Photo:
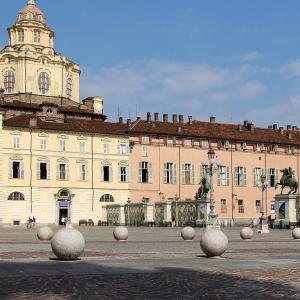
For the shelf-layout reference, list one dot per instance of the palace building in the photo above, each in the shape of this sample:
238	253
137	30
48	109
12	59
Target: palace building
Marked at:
60	158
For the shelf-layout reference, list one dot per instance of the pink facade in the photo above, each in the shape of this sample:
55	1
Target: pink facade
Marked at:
237	196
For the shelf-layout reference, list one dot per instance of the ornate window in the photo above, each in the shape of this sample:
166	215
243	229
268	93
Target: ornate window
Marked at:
107	198
16	196
69	87
9	81
44	82
21	35
37	36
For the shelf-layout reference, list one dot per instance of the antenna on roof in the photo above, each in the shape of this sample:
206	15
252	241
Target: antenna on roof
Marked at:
129	114
230	118
136	111
119	112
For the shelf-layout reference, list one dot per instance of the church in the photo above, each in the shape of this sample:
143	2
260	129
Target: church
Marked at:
60	157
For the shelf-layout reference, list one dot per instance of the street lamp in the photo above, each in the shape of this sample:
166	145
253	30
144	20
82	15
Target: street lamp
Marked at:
263	226
212	216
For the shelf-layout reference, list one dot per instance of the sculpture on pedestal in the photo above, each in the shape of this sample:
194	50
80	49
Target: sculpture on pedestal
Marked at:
287	179
204	188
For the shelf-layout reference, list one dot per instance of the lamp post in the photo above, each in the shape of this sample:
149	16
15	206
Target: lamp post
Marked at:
263	225
212	216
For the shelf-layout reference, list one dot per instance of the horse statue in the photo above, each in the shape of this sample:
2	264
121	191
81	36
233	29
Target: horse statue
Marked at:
288	180
204	188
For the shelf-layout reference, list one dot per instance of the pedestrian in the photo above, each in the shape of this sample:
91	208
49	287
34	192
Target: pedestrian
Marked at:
28	224
33	221
173	221
63	220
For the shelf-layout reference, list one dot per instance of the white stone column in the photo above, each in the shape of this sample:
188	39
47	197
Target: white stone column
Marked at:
149	212
122	215
167	212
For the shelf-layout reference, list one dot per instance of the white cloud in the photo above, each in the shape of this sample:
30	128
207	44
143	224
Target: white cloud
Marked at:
168	86
252	56
292	68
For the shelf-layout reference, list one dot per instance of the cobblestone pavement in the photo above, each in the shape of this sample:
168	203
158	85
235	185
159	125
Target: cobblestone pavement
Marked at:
154	264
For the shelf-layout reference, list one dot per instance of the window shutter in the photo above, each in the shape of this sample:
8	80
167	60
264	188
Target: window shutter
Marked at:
48	171
174	174
165	173
120	174
22	170
183	173
192	174
236	176
150	172
87	172
269	177
38	171
219	175
276	176
140	164
227	176
110	174
101	174
10	169
245	177
67	171
57	172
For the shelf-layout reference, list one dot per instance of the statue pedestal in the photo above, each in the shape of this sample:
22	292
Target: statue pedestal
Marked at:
203	210
286	210
263	228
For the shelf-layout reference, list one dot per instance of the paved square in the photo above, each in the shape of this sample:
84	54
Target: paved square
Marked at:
155	263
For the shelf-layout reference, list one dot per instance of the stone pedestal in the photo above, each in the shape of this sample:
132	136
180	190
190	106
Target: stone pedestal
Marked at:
203	212
286	209
149	212
210	227
263	228
167	212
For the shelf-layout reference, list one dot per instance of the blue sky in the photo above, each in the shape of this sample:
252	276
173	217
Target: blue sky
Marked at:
234	59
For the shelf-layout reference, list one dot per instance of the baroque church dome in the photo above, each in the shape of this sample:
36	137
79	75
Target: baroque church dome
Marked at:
31	13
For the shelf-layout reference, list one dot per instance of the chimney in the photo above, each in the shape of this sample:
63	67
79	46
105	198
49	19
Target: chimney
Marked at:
120	120
251	127
246	123
33	122
212	119
165	118
128	122
155	117
190	119
175	119
294	128
288	127
281	130
240	127
270	127
275	126
181	120
148	117
290	136
179	129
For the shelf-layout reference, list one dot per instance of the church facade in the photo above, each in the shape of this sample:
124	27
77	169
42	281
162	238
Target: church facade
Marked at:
60	158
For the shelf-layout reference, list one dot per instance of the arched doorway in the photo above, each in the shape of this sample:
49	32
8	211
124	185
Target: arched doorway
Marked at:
64	203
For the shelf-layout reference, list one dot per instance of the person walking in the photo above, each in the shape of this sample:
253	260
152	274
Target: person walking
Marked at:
28	224
33	221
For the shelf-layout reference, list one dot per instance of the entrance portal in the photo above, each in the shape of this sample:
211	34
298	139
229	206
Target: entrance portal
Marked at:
63	216
64	206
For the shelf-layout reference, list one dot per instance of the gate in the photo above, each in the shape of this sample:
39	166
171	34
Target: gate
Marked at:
113	214
159	213
134	214
184	213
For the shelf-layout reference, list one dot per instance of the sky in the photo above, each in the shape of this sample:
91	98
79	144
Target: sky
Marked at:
235	59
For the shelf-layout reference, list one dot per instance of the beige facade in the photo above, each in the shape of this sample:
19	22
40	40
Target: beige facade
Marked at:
30	64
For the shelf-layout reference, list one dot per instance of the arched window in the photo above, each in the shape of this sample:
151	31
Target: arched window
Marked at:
21	35
44	82
16	196
69	87
9	81
37	36
107	198
49	111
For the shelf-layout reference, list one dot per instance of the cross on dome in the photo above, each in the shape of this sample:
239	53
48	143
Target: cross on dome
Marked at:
31	2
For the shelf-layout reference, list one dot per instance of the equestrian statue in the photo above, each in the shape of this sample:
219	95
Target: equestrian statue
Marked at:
287	179
204	188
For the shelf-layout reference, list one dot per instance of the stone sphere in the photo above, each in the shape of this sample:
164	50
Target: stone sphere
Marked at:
296	233
188	233
120	233
246	233
68	244
45	233
214	242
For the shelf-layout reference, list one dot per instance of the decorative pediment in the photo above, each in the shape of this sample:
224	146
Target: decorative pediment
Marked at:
106	139
82	161
62	137
106	163
16	157
123	163
43	158
16	132
43	134
63	160
82	137
123	141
